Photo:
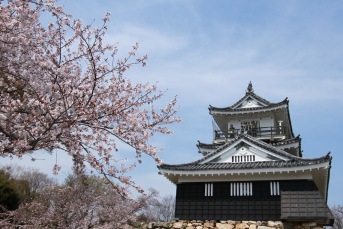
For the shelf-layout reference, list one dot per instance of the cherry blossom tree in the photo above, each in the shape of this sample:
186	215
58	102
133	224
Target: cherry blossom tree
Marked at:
82	202
337	212
161	209
36	181
61	88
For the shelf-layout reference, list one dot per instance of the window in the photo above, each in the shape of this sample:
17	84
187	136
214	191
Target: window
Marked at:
250	125
274	188
243	158
209	189
241	189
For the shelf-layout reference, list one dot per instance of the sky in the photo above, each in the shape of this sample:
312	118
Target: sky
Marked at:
206	53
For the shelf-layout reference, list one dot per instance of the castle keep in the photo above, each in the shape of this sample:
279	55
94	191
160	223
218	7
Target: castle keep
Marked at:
253	169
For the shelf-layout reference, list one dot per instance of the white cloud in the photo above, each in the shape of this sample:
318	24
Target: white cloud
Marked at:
152	42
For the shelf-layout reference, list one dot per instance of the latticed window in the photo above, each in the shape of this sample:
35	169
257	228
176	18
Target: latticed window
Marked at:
243	158
209	189
274	188
241	189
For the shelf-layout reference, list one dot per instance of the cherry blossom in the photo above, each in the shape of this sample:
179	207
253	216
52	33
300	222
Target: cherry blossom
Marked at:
62	89
82	202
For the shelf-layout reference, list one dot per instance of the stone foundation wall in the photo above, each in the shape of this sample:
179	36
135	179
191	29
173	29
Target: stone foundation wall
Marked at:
224	225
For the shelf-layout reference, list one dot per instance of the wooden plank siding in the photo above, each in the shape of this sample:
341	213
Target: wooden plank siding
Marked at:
192	204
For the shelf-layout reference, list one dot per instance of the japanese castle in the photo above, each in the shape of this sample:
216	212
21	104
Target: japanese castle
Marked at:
253	169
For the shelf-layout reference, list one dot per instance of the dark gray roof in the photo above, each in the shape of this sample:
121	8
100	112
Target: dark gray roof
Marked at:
209	146
216	145
287	141
297	139
305	205
245	165
252	95
291	161
253	141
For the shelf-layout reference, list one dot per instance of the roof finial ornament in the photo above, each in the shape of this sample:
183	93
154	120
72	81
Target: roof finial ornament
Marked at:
250	88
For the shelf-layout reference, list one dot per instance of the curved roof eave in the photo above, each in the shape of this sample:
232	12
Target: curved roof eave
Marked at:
287	141
328	178
252	95
208	146
248	110
290	122
248	165
253	141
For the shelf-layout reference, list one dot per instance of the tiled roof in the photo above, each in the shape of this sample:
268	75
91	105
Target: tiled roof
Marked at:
252	95
291	161
254	141
245	165
305	205
288	141
208	146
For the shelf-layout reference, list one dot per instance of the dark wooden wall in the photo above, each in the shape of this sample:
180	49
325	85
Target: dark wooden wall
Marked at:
192	204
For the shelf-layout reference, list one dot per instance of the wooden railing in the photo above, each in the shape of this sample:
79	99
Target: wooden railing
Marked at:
259	132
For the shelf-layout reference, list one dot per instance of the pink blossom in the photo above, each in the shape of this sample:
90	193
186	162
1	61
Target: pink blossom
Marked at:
61	88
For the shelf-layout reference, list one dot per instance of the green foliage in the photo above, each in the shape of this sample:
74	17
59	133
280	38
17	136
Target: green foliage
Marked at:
9	197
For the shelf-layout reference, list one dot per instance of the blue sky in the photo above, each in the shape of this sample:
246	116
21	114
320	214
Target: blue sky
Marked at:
206	52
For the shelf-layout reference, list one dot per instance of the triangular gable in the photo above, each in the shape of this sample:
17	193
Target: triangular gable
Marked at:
249	102
245	149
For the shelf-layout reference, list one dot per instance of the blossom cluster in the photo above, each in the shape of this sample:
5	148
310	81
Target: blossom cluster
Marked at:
61	88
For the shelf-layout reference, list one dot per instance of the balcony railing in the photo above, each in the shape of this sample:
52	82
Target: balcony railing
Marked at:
260	132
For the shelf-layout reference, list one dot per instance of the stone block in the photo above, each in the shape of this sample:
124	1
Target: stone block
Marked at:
242	226
271	224
161	225
224	226
279	224
209	224
177	225
259	223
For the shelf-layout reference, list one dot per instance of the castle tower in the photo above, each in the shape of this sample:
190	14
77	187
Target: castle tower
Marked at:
253	169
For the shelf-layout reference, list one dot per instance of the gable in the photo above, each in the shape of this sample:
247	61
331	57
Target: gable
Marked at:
249	102
243	151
